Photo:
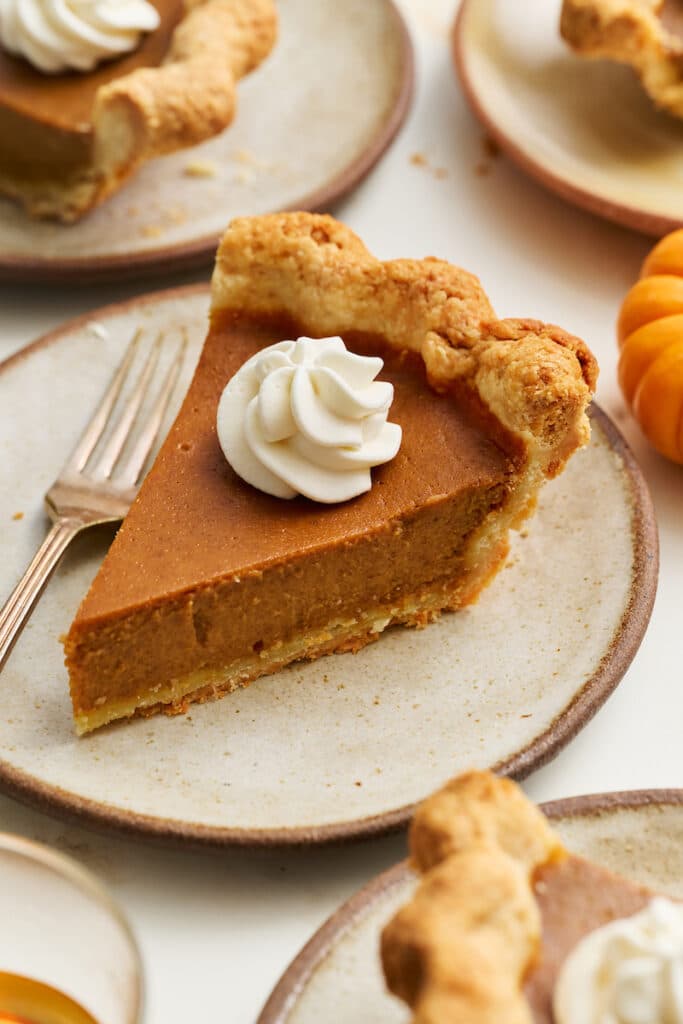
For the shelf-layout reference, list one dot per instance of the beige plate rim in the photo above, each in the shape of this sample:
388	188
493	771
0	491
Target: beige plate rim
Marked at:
608	673
295	978
638	218
186	256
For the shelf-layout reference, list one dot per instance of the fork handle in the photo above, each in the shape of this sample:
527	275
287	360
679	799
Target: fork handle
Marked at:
21	601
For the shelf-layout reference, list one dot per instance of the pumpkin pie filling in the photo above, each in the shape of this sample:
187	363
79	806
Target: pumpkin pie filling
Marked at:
575	897
235	575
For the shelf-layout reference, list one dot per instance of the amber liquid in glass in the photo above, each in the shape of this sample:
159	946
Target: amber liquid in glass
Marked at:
25	1001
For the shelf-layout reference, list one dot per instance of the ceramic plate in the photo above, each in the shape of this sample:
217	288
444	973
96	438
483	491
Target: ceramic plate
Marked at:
312	121
585	129
343	746
337	976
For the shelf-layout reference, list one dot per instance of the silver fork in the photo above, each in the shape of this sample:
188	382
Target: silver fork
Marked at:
88	491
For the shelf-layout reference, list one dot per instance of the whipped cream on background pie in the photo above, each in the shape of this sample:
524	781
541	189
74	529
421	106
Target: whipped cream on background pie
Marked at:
74	35
629	971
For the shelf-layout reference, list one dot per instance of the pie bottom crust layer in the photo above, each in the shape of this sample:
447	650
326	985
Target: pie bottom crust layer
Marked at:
518	388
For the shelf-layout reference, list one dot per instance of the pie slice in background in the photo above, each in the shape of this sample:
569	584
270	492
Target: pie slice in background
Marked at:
71	139
499	908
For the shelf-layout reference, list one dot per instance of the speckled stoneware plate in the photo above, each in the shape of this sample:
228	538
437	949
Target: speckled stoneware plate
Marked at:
343	746
585	129
337	976
312	121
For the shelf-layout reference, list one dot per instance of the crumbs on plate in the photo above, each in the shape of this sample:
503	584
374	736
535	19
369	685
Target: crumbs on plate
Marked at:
420	160
200	169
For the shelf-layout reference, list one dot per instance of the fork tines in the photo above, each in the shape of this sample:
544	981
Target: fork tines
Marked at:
109	457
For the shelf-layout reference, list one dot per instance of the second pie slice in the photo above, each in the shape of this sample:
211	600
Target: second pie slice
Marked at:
508	925
72	138
211	583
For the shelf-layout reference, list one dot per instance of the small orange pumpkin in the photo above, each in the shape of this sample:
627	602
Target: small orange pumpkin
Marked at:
650	334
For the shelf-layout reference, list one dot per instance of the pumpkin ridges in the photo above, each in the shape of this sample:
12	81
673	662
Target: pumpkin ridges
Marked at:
649	299
666	257
658	402
643	347
650	336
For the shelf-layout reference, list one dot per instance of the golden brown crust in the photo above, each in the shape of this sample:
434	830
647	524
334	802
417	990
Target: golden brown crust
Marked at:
535	379
461	949
191	97
631	32
479	808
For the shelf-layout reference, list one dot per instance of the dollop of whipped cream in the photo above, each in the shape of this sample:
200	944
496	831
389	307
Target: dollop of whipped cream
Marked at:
308	417
629	972
62	35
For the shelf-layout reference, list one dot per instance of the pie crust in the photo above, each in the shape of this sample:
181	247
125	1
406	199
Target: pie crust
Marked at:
532	378
641	33
326	579
155	110
460	950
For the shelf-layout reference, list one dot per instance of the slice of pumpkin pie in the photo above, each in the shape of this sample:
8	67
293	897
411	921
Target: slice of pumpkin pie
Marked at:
88	92
356	443
507	925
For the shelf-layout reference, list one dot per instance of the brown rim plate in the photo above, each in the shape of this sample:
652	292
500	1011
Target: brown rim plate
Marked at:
583	129
339	748
284	151
634	833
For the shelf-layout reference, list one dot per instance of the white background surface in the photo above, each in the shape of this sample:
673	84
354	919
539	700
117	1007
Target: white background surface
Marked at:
216	930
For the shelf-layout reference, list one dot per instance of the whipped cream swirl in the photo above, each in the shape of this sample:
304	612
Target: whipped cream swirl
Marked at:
629	972
62	35
307	417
